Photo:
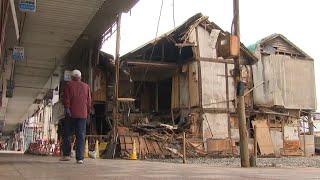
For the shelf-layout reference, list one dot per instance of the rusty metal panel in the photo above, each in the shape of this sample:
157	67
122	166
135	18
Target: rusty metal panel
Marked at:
292	148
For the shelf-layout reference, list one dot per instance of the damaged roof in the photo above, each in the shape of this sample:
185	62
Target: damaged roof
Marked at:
176	35
267	39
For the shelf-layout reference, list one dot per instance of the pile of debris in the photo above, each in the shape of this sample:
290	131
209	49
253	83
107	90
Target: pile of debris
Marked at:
157	140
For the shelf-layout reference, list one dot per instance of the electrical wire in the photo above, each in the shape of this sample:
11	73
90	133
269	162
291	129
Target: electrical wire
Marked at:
174	21
153	47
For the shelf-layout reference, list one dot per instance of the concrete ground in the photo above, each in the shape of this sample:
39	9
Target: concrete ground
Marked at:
17	166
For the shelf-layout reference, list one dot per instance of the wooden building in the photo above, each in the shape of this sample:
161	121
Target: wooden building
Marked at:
181	79
286	95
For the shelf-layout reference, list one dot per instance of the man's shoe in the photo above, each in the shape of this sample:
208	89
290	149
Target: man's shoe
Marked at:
65	158
79	161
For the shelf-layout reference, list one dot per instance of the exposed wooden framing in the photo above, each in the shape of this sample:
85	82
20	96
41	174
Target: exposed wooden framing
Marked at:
116	84
311	126
106	103
227	98
162	52
197	56
157	97
152	64
184	147
172	117
179	105
189	95
274	113
199	69
228	61
216	110
144	56
255	144
184	44
170	39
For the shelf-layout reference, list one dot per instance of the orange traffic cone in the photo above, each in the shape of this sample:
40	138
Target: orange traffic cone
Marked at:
86	149
96	149
133	156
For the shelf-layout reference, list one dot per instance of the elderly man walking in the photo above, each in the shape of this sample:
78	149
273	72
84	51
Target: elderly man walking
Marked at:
77	104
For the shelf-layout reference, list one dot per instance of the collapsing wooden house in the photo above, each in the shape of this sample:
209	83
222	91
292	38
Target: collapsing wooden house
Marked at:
181	79
284	98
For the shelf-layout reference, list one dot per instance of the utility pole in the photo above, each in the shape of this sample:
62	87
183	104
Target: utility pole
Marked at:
311	128
116	82
244	152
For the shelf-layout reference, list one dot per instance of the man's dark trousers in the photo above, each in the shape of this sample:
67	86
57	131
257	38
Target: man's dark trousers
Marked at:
79	125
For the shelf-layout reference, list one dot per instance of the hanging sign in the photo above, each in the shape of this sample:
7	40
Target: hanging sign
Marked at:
67	75
18	53
28	5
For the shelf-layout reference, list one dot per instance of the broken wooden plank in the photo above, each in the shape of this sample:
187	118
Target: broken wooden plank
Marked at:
263	137
174	151
150	147
218	145
184	44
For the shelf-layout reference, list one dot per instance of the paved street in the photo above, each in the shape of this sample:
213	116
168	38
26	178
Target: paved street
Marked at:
15	166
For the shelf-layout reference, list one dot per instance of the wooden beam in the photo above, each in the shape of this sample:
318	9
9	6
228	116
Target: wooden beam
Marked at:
162	52
152	64
227	61
184	44
216	110
115	112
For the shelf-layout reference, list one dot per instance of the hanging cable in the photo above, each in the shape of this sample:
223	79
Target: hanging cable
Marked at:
153	47
174	21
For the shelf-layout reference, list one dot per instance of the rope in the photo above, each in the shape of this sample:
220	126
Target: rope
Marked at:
145	74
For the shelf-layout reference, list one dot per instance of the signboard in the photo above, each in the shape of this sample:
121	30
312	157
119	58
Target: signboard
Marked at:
18	53
67	75
317	126
316	116
28	5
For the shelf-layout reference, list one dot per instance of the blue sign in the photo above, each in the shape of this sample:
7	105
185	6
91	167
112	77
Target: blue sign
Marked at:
18	53
27	5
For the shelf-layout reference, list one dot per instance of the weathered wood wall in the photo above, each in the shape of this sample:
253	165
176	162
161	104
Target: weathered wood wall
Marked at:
185	93
99	85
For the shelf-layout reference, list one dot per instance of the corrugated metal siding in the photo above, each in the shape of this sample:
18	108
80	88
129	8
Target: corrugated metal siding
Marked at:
59	21
288	82
47	36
